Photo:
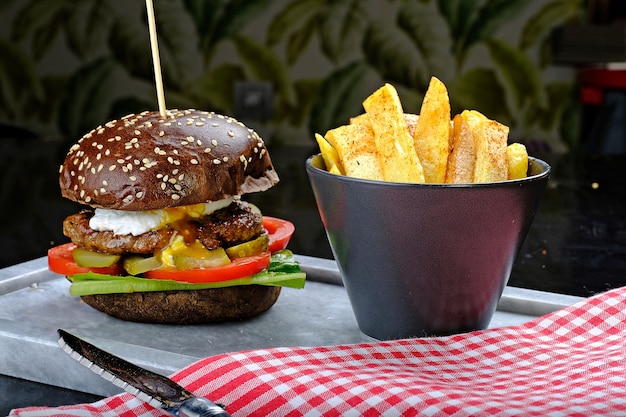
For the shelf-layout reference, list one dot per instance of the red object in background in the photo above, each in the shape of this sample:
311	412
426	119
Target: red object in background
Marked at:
595	81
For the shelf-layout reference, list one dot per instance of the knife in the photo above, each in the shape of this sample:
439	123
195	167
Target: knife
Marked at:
155	389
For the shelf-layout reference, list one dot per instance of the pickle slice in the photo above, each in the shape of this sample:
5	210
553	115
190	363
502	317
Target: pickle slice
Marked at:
249	248
136	264
90	259
201	259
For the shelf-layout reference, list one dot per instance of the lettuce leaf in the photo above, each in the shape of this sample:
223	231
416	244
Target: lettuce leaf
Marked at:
283	271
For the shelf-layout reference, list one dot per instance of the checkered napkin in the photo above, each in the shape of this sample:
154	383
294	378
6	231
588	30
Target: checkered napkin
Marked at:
571	362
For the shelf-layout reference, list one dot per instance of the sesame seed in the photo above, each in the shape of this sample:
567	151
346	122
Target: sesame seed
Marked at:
217	161
139	194
175	197
231	133
112	167
163	186
195	161
207	150
225	159
105	183
132	178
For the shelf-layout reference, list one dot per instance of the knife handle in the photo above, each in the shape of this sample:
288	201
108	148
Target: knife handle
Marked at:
201	407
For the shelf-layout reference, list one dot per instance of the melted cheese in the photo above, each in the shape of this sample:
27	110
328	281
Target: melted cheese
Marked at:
138	222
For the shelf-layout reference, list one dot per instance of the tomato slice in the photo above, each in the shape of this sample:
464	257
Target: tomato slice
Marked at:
60	261
280	232
238	268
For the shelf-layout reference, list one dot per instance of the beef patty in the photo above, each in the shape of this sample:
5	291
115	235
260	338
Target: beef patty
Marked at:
226	227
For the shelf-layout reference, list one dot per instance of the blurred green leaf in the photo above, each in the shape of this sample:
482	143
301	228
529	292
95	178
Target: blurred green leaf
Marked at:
87	27
306	91
292	18
299	40
519	76
559	96
263	65
217	20
394	56
473	21
342	28
460	15
340	25
430	35
410	52
19	80
551	15
214	89
41	20
479	89
180	61
341	95
88	98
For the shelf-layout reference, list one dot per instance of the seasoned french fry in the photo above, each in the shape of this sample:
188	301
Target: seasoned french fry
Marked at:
432	132
384	143
491	140
411	121
396	151
462	157
356	148
330	155
517	158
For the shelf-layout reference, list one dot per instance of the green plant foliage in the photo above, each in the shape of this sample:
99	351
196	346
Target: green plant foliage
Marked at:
263	64
479	88
218	20
16	77
519	76
340	96
88	98
474	21
206	47
540	25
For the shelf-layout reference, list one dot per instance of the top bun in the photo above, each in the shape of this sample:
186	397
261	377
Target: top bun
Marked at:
146	161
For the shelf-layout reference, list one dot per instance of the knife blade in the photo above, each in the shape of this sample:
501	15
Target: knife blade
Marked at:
148	386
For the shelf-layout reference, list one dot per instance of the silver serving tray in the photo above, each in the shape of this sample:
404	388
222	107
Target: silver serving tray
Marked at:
34	303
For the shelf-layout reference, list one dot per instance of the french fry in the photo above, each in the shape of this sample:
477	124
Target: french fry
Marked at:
517	158
330	155
356	149
491	140
384	143
462	157
398	160
411	121
432	132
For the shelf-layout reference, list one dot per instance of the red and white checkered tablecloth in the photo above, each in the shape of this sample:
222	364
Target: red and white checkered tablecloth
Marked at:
568	363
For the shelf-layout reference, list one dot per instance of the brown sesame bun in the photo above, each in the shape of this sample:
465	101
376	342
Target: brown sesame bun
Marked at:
146	161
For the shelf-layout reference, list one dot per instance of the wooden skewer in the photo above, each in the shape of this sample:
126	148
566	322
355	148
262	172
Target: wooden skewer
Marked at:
158	79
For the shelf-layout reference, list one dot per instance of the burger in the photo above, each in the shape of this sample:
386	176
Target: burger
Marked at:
163	235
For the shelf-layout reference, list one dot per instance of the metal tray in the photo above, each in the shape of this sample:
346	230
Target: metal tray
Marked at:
34	303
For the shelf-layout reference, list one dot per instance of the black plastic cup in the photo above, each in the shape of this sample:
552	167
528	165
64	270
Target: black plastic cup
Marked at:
421	260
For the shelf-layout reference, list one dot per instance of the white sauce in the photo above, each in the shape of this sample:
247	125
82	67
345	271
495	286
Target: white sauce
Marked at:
122	222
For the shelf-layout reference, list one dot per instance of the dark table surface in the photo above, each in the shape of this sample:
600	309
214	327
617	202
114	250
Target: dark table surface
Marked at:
576	245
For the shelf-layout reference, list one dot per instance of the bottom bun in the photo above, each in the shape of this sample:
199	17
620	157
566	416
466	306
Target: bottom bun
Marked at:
187	307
